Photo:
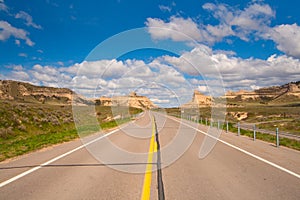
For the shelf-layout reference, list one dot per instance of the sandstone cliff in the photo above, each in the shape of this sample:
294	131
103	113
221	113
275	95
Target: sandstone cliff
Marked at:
285	93
288	93
26	92
198	100
132	100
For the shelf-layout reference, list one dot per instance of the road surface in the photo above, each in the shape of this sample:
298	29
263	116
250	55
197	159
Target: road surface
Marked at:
236	168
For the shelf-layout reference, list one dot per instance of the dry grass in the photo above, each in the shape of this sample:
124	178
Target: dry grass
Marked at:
26	127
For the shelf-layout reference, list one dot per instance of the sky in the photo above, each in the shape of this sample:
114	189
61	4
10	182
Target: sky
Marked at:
161	49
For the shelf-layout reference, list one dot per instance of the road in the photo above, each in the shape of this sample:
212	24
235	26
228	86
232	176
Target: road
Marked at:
236	168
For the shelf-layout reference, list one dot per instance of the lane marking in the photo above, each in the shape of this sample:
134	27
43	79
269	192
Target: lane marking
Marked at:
241	150
148	173
54	159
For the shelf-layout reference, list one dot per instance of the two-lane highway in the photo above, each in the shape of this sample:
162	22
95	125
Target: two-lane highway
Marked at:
71	171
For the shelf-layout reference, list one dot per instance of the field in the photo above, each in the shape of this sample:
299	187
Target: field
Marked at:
26	127
286	117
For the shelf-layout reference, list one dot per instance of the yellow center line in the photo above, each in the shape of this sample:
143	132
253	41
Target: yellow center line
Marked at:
148	173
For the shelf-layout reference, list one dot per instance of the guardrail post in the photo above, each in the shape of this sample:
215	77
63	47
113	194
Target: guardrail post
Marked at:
254	132
206	121
277	137
239	129
226	126
218	124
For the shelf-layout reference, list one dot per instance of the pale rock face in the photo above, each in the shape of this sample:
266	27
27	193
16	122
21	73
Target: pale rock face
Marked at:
132	100
271	93
198	100
19	91
288	92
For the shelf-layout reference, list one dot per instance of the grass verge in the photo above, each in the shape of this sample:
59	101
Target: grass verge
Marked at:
287	142
26	127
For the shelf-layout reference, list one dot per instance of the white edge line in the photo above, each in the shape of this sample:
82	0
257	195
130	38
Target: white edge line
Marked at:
242	150
53	160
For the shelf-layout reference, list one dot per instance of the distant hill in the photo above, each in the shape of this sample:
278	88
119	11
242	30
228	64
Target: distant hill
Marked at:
26	92
289	92
198	100
132	100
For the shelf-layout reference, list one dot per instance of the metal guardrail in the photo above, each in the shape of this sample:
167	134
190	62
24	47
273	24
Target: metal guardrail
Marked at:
245	126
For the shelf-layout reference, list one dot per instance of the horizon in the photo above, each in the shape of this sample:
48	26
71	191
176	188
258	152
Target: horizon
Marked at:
162	50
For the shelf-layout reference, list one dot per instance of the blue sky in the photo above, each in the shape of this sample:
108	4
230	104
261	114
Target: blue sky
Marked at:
252	43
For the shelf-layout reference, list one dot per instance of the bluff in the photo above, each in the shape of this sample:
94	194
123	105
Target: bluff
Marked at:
285	93
131	100
198	100
26	92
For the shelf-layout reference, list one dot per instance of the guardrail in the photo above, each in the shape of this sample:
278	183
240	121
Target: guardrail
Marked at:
241	128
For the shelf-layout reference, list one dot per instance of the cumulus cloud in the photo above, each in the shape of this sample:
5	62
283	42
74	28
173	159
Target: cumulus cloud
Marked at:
254	19
7	30
240	73
287	38
252	22
29	22
177	29
168	80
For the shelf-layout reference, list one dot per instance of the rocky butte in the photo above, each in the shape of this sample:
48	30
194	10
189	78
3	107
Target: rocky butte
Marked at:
132	100
26	92
276	94
287	93
198	100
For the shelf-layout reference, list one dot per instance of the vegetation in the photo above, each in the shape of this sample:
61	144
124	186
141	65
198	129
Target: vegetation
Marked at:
284	116
26	127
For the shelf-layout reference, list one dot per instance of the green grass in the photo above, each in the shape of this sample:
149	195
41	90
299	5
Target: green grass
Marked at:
114	123
26	127
290	143
24	144
265	111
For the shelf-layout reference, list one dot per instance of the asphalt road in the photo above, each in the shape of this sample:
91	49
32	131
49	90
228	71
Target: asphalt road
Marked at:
236	168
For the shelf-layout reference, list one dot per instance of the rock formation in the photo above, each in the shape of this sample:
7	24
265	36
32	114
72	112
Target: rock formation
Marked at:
198	100
284	93
26	92
288	93
132	100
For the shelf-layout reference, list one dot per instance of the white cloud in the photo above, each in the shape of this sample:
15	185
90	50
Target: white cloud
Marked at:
8	30
167	80
102	68
3	7
178	29
202	88
160	101
196	62
255	19
29	22
20	76
287	38
17	68
245	73
17	42
23	55
165	8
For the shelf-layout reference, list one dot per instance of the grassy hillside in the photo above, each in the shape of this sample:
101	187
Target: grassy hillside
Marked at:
25	127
